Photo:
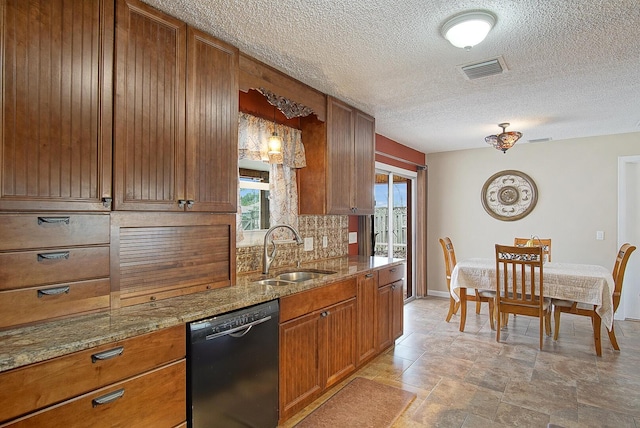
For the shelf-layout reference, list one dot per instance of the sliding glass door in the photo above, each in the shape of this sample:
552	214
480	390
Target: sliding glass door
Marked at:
392	221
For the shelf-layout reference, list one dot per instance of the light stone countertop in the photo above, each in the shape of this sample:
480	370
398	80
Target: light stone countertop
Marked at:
43	341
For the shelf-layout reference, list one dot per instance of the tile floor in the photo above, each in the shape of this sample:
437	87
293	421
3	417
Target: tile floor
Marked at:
469	380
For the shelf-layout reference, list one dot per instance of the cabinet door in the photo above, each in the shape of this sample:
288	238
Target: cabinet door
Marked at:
299	363
397	314
385	309
149	138
340	119
338	332
364	164
212	124
55	141
367	317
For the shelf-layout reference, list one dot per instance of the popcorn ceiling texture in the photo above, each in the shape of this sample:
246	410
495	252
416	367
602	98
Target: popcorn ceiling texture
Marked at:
335	228
573	64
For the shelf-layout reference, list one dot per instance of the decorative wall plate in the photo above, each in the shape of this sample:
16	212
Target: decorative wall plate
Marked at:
509	195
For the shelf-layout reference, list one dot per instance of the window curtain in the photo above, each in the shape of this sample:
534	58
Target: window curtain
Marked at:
253	134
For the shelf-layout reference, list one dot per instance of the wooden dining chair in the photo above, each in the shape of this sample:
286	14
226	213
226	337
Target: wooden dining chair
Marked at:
519	286
587	310
480	296
545	243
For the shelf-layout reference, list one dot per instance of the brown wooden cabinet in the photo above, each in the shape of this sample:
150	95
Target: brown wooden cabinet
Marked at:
140	381
367	345
175	115
339	177
390	305
56	83
317	343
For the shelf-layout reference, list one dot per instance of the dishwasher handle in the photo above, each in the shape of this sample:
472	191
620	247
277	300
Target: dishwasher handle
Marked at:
231	331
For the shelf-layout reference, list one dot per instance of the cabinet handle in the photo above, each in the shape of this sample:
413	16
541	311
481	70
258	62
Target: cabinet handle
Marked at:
53	220
107	398
369	275
53	256
106	202
105	355
181	203
393	270
190	203
324	314
53	291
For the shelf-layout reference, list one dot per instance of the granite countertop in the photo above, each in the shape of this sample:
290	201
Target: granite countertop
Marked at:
39	342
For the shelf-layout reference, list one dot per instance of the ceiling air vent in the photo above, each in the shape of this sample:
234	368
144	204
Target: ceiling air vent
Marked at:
485	68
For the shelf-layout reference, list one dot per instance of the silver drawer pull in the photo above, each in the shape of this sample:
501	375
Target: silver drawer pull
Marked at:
53	220
369	275
53	291
393	270
105	355
107	398
53	256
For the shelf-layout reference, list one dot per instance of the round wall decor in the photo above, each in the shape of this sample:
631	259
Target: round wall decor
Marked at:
509	195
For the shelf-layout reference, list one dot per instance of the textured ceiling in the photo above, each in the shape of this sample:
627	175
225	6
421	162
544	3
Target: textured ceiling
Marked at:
573	65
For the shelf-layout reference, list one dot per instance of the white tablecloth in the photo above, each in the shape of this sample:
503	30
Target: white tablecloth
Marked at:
590	284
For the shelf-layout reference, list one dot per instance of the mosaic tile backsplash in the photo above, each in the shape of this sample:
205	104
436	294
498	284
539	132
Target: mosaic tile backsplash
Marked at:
334	227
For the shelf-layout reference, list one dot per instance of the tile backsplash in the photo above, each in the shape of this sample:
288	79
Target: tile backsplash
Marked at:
334	227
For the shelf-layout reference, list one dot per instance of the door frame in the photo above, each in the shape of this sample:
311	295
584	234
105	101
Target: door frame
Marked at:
381	167
629	231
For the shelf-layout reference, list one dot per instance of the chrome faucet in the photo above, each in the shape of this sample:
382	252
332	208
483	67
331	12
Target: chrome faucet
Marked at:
267	258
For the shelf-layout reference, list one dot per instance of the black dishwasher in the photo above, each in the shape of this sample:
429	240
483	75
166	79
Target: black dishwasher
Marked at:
232	369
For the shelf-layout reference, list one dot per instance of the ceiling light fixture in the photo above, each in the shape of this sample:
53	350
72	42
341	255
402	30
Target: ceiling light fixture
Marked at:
468	29
505	140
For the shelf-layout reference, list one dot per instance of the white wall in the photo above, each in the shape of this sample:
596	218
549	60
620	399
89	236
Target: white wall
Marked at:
577	195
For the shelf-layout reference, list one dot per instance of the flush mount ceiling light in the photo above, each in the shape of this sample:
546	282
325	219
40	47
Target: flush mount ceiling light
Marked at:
468	29
505	140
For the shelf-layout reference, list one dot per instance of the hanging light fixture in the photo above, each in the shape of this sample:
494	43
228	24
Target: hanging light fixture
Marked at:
505	140
468	29
274	143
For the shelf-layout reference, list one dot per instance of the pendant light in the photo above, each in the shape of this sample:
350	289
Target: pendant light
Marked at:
274	143
505	140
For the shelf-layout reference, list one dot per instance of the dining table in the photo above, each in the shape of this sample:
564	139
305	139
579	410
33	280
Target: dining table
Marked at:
582	283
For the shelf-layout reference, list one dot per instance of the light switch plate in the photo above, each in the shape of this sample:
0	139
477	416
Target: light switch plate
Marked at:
325	242
600	235
353	237
308	244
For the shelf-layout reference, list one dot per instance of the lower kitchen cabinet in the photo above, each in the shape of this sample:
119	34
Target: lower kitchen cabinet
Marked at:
139	381
317	346
367	340
390	303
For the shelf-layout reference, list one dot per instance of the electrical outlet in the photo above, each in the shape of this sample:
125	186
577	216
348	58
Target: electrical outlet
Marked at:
325	242
353	237
600	235
308	244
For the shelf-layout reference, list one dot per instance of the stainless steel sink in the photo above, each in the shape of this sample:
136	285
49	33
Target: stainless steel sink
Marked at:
276	282
303	275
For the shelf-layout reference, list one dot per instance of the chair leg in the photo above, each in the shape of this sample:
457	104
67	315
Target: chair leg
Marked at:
491	304
541	335
478	302
498	326
452	308
556	327
613	339
547	323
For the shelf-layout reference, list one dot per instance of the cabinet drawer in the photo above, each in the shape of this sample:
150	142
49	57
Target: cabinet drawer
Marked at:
39	303
390	274
52	266
312	300
154	399
39	385
25	231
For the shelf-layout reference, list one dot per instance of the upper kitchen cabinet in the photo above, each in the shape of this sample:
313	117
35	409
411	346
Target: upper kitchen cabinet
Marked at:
175	115
339	177
55	141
